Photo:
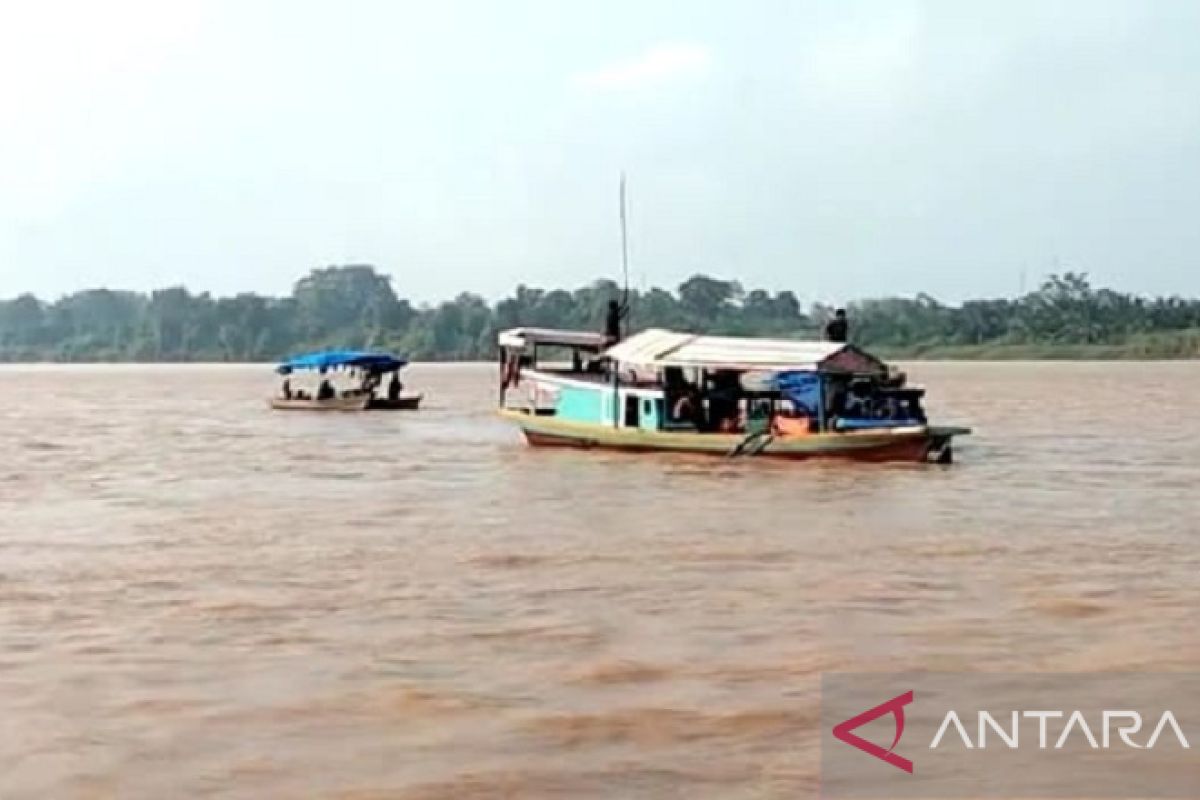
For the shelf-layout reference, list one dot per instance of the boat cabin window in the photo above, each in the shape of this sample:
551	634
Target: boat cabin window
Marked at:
553	354
561	358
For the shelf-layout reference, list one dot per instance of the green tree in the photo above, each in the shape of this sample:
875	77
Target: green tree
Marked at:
705	299
355	306
22	321
354	303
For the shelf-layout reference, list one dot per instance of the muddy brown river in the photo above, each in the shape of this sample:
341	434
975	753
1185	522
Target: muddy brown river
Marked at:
200	597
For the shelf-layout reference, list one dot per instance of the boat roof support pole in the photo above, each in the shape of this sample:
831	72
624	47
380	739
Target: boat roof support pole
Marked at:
616	409
503	376
820	402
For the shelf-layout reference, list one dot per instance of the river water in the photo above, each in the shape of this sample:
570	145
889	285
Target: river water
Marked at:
202	597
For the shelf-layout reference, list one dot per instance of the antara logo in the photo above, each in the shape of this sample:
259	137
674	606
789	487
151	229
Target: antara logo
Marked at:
895	707
1076	724
1124	723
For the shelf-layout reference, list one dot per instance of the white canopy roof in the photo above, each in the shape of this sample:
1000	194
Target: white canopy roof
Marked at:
522	338
663	348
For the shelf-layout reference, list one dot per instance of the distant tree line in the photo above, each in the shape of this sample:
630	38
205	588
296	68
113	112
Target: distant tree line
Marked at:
356	306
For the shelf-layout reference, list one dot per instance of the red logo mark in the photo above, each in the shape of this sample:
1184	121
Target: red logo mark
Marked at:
894	706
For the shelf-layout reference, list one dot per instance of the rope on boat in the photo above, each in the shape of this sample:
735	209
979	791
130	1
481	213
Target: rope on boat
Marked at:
752	445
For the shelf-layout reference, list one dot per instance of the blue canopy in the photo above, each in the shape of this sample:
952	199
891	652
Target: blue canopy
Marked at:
803	389
332	359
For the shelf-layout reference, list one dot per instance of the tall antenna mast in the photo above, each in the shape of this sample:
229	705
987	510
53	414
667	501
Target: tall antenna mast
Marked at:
624	251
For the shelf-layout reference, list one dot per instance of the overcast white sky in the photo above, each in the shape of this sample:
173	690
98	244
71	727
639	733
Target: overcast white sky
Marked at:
839	149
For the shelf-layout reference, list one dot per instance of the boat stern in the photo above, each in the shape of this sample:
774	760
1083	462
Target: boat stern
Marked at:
940	443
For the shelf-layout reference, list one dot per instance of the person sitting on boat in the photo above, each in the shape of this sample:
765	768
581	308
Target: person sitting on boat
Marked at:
287	389
723	405
838	328
681	395
683	409
857	403
394	387
370	382
325	390
687	406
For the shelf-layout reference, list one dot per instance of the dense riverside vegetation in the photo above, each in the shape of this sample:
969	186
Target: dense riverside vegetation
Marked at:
356	306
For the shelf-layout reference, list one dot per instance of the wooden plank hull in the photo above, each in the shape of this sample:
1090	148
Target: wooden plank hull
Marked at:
408	402
357	403
916	443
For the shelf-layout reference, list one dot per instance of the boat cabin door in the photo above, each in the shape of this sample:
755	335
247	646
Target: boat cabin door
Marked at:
641	411
632	417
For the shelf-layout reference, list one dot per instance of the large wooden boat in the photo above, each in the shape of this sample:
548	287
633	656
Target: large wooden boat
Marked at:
678	392
367	368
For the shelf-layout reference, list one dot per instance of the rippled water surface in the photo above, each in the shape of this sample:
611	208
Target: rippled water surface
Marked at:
200	596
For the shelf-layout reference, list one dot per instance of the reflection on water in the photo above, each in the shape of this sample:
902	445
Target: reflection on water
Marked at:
201	596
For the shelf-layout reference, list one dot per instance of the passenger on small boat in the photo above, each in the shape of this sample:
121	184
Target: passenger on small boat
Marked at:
286	391
394	387
325	391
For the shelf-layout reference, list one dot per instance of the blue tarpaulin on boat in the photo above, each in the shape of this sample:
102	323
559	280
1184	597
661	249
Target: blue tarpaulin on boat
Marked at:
332	359
803	389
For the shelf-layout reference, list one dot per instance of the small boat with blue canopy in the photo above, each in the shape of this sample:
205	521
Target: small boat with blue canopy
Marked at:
363	369
662	390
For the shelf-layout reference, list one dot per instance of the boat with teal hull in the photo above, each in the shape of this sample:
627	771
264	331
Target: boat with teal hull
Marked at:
663	391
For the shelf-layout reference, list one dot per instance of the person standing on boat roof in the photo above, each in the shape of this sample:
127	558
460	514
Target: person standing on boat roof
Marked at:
612	321
838	328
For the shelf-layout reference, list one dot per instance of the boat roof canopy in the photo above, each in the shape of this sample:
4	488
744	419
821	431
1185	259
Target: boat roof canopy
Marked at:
662	348
523	338
333	359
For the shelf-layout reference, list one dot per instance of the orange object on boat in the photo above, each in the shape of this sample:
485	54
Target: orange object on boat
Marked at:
790	426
